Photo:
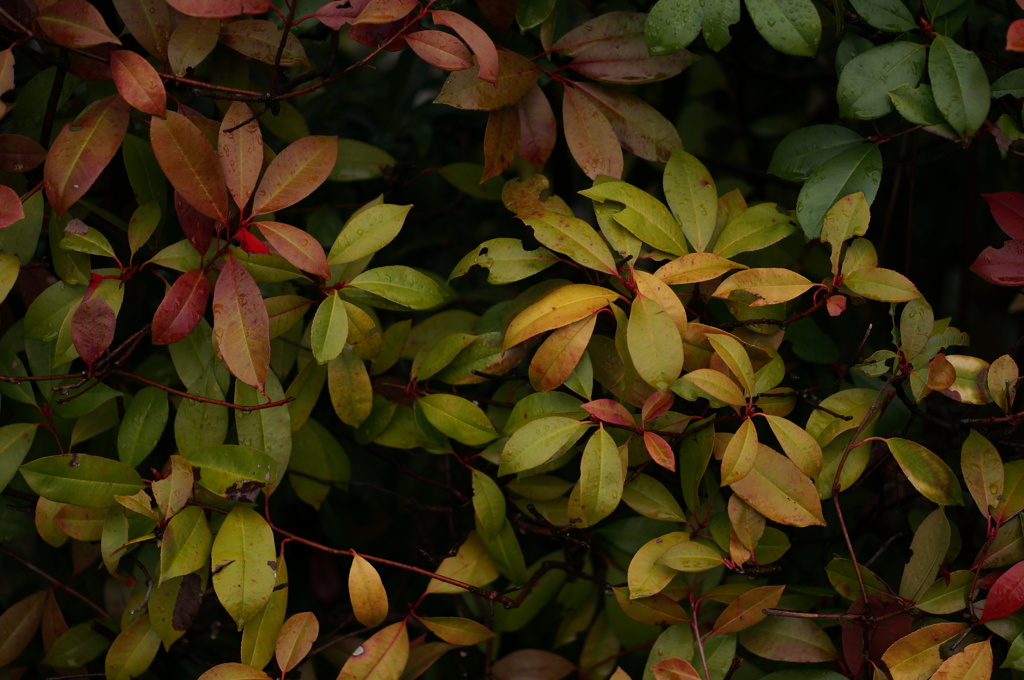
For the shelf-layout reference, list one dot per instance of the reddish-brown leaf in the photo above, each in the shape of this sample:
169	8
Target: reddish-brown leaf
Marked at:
609	411
1008	211
477	39
148	21
82	150
250	243
375	35
190	163
499	13
260	39
641	129
501	139
440	50
96	67
628	62
92	328
241	152
385	11
19	153
465	90
893	624
675	669
191	42
75	23
656	404
295	173
660	451
338	13
6	74
296	246
557	357
241	324
610	27
220	9
1006	595
138	82
199	229
1002	266
1015	36
182	308
590	136
538	129
11	209
535	664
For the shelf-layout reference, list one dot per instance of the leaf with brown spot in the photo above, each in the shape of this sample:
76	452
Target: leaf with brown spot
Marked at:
137	81
382	657
190	163
92	329
466	90
182	308
241	324
240	150
221	9
501	140
538	128
295	173
590	136
295	639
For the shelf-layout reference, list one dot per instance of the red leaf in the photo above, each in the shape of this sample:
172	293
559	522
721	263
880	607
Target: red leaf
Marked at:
138	82
373	35
190	163
250	243
182	308
241	324
220	9
1015	36
296	246
11	209
1008	211
477	39
590	136
537	128
660	451
295	173
501	139
836	305
82	150
92	68
656	404
609	411
888	630
19	153
199	229
440	50
640	127
339	13
1002	266
92	328
148	21
675	669
241	152
1006	595
75	23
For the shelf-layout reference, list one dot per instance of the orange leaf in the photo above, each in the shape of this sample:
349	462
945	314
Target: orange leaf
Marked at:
296	246
295	639
590	136
385	11
537	128
220	9
382	656
138	82
1015	36
240	152
477	39
501	139
75	23
148	21
190	163
366	591
191	42
82	150
640	127
241	324
295	173
675	669
440	50
660	451
558	355
746	610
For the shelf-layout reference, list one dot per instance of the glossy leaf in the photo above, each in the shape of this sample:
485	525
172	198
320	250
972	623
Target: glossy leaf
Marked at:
227	469
182	308
740	453
259	636
92	329
190	163
745	610
640	128
881	284
75	23
602	476
401	285
138	82
81	479
382	657
243	560
537	664
501	141
483	47
455	630
777	489
185	546
856	168
466	90
296	246
233	671
538	129
295	173
18	625
926	471
714	384
590	136
142	425
655	346
132	651
916	656
240	151
572	237
261	39
790	26
781	638
538	441
560	354
191	42
691	195
440	50
241	325
642	215
558	308
349	386
770	286
367	232
983	471
973	663
798	445
690	556
865	82
931	541
959	84
458	418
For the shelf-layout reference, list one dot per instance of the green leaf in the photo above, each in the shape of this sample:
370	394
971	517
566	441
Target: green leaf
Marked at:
755	228
959	85
402	285
650	498
77	646
80	238
655	347
538	441
931	541
572	237
782	638
798	445
358	160
602	476
503	547
268	430
367	232
790	26
858	168
142	426
803	151
917	104
259	636
458	418
18	625
691	556
887	15
646	575
456	630
132	651
330	329
777	489
740	453
943	597
642	215
865	82
349	386
691	195
927	472
719	16
322	464
712	383
876	283
244	563
1011	83
672	25
983	471
506	261
15	441
81	479
227	467
185	546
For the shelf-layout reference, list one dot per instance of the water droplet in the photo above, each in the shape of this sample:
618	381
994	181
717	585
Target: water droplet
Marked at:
17	167
359	651
76	186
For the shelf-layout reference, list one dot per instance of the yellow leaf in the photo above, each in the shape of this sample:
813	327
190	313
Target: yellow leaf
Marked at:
917	655
769	285
558	308
366	590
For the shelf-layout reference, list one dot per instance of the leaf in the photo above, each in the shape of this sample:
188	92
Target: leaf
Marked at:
538	441
470	564
858	168
590	136
572	237
803	151
690	556
798	445
148	22
142	425
185	546
260	39
466	90
226	468
1006	595
402	285
241	325
770	286
295	173
781	638
866	81
243	561
558	308
656	610
232	671
19	153
82	149
642	215
931	541
440	50
81	479
740	453
329	331
349	386
959	84
92	329
779	491
624	58
535	664
298	247
714	384
132	651
692	197
887	15
927	472
259	637
538	129
18	625
672	25
182	308
240	152
641	128
75	23
501	141
790	26
655	347
458	418
1001	266
477	39
1007	208
81	644
973	663
190	43
983	472
602	476
220	10
382	657
916	656
560	354
745	610
138	82
695	267
367	232
190	163
674	669
295	640
15	441
649	497
456	630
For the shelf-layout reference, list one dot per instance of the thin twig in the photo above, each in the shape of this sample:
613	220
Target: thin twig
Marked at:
71	591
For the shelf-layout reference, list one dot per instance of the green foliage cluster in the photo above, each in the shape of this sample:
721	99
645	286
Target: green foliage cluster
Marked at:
293	385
